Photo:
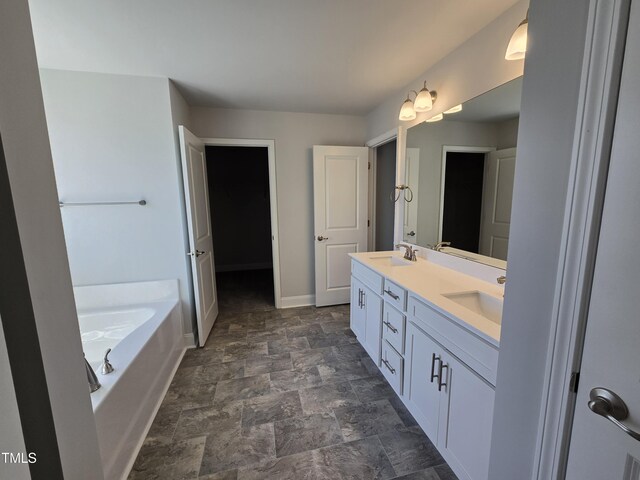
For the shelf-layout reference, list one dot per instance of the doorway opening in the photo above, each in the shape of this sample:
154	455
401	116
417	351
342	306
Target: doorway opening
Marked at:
463	181
241	208
383	208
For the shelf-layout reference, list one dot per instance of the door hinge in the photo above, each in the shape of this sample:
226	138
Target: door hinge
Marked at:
368	165
575	380
368	223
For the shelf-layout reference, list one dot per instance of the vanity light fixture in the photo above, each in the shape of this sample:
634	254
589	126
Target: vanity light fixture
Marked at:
423	103
517	47
457	108
435	118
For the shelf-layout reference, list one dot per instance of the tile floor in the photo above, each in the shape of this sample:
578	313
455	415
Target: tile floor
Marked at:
282	395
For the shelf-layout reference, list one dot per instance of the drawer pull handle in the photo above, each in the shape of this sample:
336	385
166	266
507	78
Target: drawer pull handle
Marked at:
391	327
440	377
433	368
391	294
386	364
360	298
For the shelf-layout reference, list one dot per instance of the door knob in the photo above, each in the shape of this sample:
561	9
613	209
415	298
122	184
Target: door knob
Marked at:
196	254
607	404
411	234
321	238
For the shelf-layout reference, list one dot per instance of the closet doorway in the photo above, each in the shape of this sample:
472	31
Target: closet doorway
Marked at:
382	207
243	209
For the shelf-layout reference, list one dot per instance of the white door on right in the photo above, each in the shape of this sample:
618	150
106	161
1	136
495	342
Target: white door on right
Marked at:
497	194
599	448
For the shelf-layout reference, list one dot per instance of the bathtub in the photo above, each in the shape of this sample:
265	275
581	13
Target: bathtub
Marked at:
142	325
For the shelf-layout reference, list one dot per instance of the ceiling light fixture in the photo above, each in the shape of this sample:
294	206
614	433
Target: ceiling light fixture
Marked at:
435	118
423	102
517	47
456	109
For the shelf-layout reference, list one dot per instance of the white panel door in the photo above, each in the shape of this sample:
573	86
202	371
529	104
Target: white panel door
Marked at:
340	217
196	190
497	194
611	356
411	178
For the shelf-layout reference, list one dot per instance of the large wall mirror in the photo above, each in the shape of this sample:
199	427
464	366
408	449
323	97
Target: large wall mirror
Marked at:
460	170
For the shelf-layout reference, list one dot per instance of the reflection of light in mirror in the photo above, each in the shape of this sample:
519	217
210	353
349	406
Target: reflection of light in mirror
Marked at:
456	109
435	118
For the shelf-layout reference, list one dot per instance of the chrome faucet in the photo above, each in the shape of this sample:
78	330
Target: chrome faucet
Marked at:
92	378
106	368
440	245
501	280
409	252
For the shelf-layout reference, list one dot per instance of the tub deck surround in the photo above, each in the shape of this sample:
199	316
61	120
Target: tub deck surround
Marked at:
144	359
430	281
286	395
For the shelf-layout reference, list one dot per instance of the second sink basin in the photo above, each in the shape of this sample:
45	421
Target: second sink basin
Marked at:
390	261
483	304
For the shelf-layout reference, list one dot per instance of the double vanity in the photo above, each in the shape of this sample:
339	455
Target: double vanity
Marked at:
433	330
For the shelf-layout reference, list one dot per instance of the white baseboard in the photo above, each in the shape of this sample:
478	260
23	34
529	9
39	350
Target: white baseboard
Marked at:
189	340
297	301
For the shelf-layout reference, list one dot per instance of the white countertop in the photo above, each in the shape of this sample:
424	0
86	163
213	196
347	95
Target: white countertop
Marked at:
429	281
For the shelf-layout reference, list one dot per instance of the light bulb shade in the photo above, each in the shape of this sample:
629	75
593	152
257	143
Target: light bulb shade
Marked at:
423	102
407	112
517	47
435	118
457	108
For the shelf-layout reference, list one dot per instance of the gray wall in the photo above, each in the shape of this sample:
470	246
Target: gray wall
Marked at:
33	188
294	135
385	183
507	133
549	108
113	138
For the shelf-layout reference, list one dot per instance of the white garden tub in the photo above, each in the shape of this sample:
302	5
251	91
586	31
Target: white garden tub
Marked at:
142	325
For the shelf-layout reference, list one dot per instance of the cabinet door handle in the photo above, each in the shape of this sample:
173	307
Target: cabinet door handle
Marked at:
363	299
433	367
359	298
440	377
391	327
389	367
391	294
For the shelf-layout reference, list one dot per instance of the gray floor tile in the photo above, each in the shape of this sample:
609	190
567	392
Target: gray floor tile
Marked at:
244	350
308	432
268	364
233	448
326	397
177	461
329	340
304	330
242	388
402	411
428	474
372	388
190	396
227	475
205	420
215	372
163	427
289	345
269	408
295	379
367	419
358	460
267	335
409	450
349	352
444	472
301	466
200	356
341	371
314	357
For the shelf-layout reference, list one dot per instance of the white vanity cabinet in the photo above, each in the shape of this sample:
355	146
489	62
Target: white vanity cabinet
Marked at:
366	317
442	369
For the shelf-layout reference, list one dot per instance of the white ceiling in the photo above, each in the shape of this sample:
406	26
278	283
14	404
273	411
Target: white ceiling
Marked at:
324	56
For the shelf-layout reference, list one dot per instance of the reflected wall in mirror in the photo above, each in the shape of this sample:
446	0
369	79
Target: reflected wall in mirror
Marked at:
461	170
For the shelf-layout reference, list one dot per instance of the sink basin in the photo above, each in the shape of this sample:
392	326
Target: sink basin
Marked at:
483	304
390	261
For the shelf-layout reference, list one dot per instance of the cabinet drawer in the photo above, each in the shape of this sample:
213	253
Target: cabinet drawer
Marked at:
395	295
392	365
478	354
367	276
393	327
